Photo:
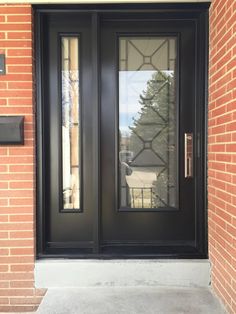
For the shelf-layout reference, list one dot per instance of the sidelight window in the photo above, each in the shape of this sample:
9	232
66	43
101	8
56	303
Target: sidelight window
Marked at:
70	122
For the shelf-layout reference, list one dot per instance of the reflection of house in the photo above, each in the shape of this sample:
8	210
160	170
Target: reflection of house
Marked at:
124	142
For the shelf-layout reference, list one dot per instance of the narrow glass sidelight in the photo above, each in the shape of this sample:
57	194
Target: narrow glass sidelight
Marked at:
70	123
148	132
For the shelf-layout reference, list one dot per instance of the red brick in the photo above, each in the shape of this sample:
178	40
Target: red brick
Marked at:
16	226
27	300
19	18
4	251
224	214
18	77
15	43
21	185
15	10
231	147
22	284
3	268
3	202
20	85
226	177
219	129
22	169
223	157
3	102
3	235
21	268
21	151
16	292
15	27
17	176
231	126
16	193
231	209
20	69
223	138
23	218
22	251
19	53
4	284
16	210
16	243
18	61
4	301
21	234
14	308
11	93
3	185
3	85
17	160
19	102
231	188
3	218
16	259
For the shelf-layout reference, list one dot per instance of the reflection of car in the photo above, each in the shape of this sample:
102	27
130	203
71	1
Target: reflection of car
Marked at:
126	168
126	156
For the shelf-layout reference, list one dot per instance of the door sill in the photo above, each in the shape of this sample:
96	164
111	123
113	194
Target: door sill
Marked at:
55	273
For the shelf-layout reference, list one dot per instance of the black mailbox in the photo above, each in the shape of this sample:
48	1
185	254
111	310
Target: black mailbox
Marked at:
11	130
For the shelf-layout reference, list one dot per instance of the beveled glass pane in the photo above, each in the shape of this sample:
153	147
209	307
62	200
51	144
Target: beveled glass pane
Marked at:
70	122
147	122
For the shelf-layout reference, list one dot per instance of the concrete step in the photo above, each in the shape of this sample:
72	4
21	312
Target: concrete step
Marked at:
121	273
130	300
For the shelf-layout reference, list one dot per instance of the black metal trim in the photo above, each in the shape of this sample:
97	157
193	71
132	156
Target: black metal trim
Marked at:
96	131
118	8
202	118
127	252
40	197
70	245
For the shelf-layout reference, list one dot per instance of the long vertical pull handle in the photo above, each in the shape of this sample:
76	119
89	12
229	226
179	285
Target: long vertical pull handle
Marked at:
188	155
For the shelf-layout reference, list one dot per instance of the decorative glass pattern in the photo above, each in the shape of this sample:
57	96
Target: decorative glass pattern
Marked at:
70	122
147	122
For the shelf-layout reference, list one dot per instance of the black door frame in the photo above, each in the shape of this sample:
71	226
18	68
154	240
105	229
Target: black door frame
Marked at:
196	12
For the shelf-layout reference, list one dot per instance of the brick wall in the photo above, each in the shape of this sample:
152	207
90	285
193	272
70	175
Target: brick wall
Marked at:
17	210
222	150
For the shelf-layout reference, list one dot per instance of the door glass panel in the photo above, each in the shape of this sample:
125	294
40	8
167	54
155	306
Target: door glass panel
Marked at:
70	123
148	130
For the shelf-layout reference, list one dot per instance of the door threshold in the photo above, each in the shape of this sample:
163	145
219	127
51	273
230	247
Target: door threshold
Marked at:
56	273
186	250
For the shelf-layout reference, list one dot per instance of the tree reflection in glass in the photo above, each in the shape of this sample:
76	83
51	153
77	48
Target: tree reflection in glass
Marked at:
147	122
70	122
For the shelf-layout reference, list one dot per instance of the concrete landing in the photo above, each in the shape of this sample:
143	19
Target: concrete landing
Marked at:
130	300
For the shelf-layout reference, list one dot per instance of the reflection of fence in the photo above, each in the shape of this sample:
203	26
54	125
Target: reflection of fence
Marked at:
141	197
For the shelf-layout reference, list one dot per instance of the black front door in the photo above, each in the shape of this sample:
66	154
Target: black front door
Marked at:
122	169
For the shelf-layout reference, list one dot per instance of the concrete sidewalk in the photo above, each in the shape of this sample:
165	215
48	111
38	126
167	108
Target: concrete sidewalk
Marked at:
130	300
